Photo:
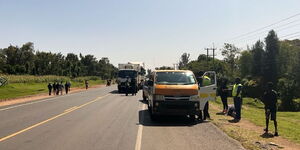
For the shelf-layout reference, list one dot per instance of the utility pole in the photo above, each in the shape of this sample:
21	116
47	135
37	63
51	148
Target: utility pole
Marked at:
213	55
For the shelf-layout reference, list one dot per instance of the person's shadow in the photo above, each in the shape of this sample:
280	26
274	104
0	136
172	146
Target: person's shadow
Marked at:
267	135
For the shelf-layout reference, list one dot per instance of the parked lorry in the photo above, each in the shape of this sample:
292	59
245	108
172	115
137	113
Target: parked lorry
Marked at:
177	92
130	70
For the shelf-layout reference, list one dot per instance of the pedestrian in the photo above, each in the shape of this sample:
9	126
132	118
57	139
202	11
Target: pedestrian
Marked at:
54	88
237	99
50	88
224	95
66	87
133	86
205	111
86	84
127	85
270	101
61	87
57	88
69	86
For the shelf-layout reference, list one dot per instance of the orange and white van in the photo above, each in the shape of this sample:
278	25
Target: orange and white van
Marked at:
177	92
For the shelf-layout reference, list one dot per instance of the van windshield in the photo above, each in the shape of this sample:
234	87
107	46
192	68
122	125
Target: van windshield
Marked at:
175	78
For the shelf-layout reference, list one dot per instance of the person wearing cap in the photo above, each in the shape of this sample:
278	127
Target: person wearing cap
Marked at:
237	98
270	101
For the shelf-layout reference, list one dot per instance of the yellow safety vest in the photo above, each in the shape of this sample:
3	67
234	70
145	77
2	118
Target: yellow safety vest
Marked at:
206	81
234	90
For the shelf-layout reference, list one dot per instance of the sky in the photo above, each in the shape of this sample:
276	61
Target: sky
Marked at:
156	32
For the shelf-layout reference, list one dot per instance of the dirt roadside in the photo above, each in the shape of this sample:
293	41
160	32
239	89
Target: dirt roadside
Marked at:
41	96
250	135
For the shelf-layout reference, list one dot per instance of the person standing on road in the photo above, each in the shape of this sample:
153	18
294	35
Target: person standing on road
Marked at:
270	101
127	85
54	88
66	87
86	84
61	87
133	86
224	95
57	88
50	88
205	111
237	99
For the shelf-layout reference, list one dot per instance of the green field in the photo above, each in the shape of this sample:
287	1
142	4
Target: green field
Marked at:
19	86
288	122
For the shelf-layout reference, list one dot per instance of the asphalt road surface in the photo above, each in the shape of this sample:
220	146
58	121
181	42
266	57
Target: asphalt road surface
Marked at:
98	119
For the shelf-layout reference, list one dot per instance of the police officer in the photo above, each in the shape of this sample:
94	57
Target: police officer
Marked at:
237	98
270	101
50	88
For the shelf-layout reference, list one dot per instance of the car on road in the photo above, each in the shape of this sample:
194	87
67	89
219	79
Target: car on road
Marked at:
176	92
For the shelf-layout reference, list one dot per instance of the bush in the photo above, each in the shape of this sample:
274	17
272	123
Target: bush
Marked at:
287	90
252	88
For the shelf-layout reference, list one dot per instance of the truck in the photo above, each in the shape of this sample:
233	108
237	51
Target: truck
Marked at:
131	70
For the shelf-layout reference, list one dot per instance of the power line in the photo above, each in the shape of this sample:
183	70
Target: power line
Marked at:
282	20
265	31
289	34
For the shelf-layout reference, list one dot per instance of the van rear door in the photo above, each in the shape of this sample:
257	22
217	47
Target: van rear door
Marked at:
208	88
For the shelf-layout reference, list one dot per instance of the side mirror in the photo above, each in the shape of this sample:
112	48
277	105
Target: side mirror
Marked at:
150	83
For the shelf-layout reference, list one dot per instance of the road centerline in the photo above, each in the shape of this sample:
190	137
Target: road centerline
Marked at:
52	118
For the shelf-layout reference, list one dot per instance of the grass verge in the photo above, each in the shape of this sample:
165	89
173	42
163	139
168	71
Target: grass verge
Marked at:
15	90
253	112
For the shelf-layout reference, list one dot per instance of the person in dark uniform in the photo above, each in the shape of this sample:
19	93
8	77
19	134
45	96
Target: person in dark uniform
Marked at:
224	95
127	86
61	87
270	101
205	111
57	88
133	86
54	88
67	87
50	88
86	84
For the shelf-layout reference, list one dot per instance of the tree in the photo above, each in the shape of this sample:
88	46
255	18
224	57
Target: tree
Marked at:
271	58
257	59
245	65
184	60
230	52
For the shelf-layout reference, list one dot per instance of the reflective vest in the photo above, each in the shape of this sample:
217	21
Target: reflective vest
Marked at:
235	89
206	81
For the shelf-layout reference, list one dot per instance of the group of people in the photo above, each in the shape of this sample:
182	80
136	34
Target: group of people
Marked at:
131	86
57	88
269	99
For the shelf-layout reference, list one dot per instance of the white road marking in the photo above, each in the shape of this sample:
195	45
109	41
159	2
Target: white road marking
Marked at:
37	101
138	143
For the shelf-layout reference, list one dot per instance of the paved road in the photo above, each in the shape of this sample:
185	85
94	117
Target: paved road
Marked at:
101	119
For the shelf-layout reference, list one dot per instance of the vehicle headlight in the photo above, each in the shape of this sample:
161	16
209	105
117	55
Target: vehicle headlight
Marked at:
194	97
159	97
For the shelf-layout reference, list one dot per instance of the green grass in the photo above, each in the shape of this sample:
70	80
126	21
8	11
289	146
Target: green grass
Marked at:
288	122
15	90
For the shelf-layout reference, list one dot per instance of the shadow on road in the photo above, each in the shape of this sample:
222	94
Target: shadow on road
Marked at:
114	92
145	120
144	102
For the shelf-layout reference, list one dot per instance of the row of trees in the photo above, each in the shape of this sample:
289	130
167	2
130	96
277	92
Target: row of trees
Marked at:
26	60
270	60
